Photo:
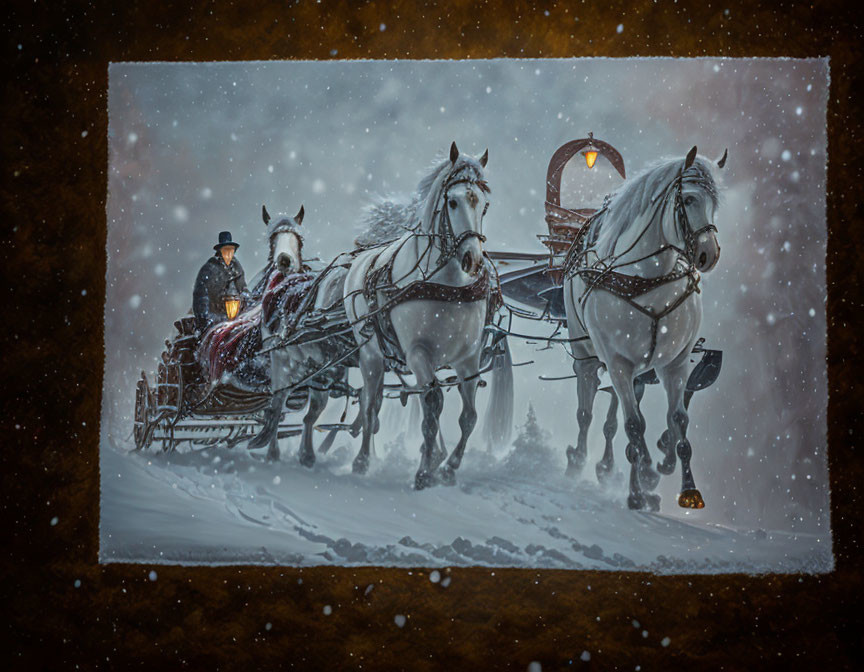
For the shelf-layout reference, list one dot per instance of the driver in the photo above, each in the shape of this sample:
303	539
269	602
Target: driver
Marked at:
221	275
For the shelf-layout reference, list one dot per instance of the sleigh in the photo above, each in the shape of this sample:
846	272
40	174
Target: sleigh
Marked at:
183	405
538	283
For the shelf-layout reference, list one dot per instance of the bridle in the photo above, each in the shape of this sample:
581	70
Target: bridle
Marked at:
576	257
683	228
448	242
682	222
285	226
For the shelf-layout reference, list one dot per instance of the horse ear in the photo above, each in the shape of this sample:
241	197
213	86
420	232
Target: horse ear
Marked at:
265	215
454	152
691	157
722	161
485	158
299	216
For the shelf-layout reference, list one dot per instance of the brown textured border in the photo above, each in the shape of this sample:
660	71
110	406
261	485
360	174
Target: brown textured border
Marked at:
53	198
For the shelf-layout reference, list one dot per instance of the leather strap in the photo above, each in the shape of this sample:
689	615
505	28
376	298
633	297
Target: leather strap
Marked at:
627	286
432	291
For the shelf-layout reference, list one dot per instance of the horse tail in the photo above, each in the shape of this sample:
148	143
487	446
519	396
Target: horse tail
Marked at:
498	424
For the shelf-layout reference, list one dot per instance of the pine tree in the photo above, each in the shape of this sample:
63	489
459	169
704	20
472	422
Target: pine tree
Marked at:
531	449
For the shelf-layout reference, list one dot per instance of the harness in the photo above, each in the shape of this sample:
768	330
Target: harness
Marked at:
603	274
378	323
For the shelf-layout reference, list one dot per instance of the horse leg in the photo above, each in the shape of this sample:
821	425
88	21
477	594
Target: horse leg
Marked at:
610	429
467	421
433	402
586	390
440	453
664	443
674	379
373	375
634	425
667	447
378	401
648	477
317	404
277	407
269	433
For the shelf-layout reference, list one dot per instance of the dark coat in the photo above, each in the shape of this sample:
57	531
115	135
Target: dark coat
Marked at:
213	280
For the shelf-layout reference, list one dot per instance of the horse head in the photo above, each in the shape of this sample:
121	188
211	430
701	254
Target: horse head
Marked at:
696	205
286	242
465	196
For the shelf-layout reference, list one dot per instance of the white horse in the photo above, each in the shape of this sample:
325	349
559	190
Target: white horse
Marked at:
293	366
633	304
421	303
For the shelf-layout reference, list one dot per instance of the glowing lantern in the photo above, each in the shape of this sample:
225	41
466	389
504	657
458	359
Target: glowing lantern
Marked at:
232	300
232	306
590	157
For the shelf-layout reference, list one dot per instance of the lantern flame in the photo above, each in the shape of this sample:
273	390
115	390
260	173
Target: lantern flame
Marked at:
232	307
590	158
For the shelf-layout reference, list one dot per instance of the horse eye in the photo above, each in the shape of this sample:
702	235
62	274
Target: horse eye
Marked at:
453	203
690	200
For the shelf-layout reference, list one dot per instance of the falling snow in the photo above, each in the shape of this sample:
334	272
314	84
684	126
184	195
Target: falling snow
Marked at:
194	151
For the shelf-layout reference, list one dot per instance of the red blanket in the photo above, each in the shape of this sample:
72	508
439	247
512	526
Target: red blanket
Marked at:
226	346
284	295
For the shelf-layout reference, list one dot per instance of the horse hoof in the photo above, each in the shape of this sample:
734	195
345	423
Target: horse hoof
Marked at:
447	475
604	473
360	465
272	456
307	460
691	499
643	502
424	479
575	462
652	502
649	478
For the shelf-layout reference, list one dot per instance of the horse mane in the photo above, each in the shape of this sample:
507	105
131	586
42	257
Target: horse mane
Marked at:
386	220
635	200
390	217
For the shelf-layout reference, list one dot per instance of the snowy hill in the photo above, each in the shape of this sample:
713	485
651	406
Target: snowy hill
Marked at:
230	506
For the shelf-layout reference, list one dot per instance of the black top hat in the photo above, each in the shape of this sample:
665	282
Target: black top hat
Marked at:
225	239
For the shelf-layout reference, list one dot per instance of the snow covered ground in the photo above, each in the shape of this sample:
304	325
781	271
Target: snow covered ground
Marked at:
230	506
